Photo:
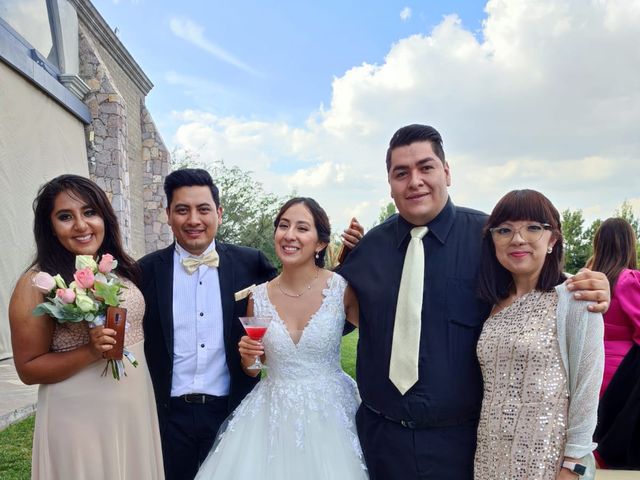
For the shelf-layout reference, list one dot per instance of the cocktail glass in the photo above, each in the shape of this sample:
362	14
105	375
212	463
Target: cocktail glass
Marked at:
256	327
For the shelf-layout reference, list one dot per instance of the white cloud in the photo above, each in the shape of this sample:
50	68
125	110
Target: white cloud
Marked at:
547	98
192	85
193	33
405	14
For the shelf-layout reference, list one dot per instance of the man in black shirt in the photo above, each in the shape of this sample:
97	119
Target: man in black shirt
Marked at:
429	432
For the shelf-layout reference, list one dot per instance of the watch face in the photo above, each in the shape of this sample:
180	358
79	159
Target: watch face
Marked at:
580	469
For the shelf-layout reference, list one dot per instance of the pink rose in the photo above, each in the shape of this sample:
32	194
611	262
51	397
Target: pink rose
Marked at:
84	278
106	263
43	282
67	295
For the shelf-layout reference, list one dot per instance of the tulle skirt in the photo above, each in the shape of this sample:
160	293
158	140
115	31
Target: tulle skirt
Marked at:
290	430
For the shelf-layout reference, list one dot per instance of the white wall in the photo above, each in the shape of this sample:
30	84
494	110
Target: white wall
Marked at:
38	141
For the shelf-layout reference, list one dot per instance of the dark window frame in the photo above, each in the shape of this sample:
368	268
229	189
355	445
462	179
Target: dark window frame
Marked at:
21	56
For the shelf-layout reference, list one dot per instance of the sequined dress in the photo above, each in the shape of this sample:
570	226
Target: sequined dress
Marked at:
94	427
299	421
522	430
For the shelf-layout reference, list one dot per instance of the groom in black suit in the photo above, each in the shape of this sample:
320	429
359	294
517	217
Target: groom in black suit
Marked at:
191	322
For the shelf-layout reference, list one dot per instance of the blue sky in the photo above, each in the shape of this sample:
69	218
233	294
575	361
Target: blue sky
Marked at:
291	51
527	93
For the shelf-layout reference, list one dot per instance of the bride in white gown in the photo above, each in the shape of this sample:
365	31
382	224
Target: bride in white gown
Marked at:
299	421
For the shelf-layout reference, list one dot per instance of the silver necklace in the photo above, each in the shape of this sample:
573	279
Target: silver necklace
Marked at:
298	295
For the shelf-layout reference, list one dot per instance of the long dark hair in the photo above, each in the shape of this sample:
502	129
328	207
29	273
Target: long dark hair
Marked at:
320	221
614	249
496	282
51	256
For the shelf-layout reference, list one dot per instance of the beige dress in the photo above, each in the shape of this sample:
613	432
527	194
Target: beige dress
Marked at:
95	427
523	421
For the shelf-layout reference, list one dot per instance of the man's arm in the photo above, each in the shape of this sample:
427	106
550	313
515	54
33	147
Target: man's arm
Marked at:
591	286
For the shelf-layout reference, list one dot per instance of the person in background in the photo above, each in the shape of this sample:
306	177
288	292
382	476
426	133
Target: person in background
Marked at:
618	432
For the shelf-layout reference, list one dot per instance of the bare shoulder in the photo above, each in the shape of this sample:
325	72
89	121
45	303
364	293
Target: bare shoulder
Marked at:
25	294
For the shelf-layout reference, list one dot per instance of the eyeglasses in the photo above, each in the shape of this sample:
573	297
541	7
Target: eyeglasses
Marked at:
529	233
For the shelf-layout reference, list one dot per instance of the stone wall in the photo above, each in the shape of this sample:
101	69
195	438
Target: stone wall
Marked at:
133	97
127	156
157	162
107	134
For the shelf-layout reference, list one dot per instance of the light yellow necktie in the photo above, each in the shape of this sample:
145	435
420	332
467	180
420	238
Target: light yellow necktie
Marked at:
403	369
191	264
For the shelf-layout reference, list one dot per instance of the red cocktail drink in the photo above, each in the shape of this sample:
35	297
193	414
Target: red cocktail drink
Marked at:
256	333
256	327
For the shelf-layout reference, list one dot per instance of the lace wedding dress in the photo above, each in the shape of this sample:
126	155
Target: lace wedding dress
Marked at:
299	421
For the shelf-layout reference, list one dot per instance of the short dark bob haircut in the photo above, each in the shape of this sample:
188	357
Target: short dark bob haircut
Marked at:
496	281
51	256
190	177
320	221
415	133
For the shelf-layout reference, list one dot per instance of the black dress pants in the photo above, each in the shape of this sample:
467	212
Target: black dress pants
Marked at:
188	434
394	452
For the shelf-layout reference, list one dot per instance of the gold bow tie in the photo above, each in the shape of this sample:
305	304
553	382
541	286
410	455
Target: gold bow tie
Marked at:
191	264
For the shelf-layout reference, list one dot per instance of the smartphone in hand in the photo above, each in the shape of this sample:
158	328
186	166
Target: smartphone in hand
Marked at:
116	320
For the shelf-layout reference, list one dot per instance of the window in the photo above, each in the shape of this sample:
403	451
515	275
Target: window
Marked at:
30	19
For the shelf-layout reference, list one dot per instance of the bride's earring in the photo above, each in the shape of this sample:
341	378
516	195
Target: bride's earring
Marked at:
549	250
317	255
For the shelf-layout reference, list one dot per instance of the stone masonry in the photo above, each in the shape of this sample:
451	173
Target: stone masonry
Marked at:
107	133
157	163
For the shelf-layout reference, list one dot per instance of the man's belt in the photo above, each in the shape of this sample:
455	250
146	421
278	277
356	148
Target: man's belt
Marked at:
415	425
200	398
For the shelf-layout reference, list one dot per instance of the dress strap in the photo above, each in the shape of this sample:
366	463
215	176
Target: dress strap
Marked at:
335	288
261	304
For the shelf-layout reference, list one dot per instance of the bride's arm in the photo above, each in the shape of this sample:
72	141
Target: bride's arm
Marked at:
351	306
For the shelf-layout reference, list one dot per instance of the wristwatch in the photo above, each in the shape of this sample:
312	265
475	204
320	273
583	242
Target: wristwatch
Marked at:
576	468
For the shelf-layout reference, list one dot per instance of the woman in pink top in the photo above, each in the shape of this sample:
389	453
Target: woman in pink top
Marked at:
614	254
618	430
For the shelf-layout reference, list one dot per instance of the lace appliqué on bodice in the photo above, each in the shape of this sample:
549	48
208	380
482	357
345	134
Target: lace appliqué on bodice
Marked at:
69	335
306	376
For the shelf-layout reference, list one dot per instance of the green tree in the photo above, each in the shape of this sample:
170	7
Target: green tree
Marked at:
385	212
626	211
248	210
577	247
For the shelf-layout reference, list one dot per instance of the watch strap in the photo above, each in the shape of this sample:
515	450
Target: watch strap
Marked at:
576	468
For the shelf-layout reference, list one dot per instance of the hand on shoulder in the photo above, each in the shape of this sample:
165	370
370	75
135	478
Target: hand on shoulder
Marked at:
591	286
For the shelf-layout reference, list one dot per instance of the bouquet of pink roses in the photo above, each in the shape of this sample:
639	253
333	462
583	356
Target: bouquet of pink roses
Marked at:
93	290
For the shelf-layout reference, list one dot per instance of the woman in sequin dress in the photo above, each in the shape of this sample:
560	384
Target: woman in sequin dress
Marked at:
88	426
299	421
540	351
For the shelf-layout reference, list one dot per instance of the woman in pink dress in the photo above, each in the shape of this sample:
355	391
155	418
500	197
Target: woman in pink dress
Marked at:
614	254
618	432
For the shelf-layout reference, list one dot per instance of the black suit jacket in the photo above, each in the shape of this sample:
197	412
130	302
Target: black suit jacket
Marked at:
239	268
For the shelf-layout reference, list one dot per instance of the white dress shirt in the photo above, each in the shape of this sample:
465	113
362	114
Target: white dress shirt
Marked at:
199	360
